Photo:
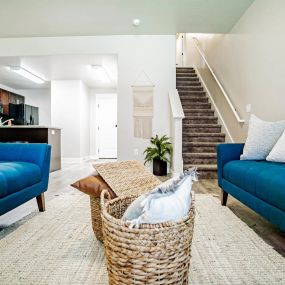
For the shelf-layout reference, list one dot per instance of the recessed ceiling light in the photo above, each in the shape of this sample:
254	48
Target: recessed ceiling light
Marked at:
100	73
27	74
136	22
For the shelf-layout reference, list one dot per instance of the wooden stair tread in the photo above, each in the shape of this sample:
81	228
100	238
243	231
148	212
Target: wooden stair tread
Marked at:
212	167
201	117
203	125
200	154
204	134
200	143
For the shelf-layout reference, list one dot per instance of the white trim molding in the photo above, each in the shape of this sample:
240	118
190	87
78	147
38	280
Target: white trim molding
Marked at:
68	160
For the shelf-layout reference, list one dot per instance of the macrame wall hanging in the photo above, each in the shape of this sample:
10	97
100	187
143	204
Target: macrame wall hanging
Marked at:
143	106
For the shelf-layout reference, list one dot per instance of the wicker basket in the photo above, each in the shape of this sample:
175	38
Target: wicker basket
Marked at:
153	254
125	178
96	217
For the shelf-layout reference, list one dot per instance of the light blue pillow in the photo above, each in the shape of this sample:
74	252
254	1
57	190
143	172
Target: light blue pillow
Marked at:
168	202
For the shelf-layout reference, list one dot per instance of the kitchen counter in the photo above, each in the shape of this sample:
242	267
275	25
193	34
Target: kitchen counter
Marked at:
31	127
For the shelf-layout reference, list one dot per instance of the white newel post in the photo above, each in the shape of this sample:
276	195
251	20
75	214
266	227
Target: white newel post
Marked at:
176	117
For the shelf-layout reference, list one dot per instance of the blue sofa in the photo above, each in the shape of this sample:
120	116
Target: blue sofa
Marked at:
260	185
24	174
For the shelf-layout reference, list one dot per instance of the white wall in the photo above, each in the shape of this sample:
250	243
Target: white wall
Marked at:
93	125
249	61
39	98
70	112
65	112
5	87
153	54
84	102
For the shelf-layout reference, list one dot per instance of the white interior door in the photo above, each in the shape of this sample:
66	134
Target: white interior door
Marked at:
180	50
107	125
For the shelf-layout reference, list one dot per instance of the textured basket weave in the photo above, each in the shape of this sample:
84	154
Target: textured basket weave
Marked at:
125	178
96	217
128	177
153	254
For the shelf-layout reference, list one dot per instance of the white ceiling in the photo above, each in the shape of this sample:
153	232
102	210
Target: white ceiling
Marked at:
31	18
59	67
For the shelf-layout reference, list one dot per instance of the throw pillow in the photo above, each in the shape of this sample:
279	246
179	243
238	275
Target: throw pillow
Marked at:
168	202
277	154
93	186
262	136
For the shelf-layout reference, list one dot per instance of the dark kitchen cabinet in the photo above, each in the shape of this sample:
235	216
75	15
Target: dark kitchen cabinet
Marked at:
15	98
4	101
12	106
12	98
20	99
7	99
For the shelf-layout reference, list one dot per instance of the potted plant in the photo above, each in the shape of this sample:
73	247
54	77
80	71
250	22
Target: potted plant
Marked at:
159	153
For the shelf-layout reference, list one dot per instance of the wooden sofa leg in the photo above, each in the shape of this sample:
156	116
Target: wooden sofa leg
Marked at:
224	197
41	202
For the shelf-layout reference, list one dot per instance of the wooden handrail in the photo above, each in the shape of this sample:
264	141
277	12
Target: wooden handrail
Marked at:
239	119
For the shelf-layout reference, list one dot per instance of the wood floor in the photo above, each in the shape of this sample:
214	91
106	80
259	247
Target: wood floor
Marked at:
60	181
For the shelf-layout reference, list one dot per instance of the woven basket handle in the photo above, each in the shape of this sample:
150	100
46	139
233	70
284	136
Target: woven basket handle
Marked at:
104	194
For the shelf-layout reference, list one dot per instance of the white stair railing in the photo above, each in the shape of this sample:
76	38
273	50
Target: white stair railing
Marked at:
176	117
237	116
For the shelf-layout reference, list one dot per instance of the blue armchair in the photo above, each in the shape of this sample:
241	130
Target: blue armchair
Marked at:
258	184
24	174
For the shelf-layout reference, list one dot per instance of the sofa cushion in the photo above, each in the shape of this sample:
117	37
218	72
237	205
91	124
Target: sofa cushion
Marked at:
265	180
15	176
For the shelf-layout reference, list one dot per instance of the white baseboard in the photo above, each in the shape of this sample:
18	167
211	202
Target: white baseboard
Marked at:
93	157
68	160
72	160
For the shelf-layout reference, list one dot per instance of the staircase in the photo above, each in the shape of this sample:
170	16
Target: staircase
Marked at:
201	131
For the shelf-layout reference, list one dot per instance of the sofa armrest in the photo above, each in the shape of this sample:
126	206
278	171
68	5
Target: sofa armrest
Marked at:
225	153
45	165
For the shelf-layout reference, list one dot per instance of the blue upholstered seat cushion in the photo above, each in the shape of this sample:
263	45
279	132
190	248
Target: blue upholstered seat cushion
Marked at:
265	180
15	176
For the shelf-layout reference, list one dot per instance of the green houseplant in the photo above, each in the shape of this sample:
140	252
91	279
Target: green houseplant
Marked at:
159	153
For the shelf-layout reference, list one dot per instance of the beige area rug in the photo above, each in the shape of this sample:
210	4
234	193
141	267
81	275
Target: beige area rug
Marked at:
58	247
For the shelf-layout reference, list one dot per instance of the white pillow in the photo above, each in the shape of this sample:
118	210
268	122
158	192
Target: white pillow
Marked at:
262	136
168	202
277	154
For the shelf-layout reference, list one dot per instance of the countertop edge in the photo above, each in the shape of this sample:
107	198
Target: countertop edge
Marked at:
29	127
